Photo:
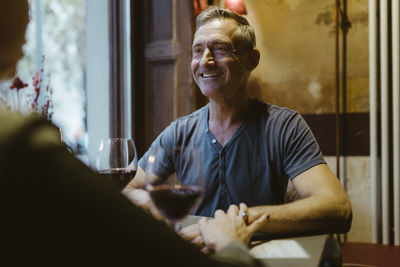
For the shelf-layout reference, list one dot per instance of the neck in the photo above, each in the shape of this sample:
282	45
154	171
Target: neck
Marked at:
228	112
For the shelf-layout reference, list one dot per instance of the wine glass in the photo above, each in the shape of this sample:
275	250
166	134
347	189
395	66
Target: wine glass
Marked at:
117	160
175	197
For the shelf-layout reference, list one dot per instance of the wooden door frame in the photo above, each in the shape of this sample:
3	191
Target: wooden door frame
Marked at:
149	53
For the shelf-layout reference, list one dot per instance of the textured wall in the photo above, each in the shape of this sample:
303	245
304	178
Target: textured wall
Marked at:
296	39
358	189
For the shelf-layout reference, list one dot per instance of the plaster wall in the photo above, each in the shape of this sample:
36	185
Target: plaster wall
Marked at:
296	39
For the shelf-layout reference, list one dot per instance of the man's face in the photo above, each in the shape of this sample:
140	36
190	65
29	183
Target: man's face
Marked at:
218	65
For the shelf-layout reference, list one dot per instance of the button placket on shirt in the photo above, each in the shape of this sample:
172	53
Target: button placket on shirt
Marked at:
221	163
222	170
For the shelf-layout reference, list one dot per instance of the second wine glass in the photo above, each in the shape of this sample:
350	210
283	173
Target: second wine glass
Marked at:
117	160
175	197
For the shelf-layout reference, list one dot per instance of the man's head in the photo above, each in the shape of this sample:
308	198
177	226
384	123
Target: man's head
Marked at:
244	33
14	18
223	53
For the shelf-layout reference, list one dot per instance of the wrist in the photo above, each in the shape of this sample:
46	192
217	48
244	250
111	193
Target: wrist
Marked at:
137	196
255	213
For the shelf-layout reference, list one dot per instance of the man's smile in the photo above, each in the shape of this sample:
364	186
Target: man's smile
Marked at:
209	75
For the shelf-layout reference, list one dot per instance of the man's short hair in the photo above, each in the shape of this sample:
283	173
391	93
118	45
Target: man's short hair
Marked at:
245	32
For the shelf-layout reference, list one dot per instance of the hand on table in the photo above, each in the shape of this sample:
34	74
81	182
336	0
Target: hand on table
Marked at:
227	227
192	234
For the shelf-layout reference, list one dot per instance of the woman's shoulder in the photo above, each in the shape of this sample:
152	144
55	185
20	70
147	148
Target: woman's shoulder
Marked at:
11	123
15	125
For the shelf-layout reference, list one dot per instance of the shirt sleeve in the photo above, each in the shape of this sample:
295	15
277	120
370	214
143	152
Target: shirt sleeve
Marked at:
300	150
161	150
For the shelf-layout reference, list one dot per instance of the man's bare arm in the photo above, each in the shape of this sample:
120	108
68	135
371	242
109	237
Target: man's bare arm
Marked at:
323	206
139	181
135	192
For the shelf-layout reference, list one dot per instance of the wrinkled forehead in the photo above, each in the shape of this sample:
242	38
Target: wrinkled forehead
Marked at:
214	30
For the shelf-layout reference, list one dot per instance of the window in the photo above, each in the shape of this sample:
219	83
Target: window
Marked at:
56	48
69	40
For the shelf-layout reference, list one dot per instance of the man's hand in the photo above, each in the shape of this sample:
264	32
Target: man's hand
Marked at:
135	192
141	198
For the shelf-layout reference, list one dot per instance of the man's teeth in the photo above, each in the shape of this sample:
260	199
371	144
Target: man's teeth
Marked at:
208	75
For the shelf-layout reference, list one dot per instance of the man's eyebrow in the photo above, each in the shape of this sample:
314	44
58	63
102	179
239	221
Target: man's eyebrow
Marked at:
196	46
216	42
221	43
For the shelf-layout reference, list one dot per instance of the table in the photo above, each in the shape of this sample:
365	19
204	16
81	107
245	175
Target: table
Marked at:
297	252
369	254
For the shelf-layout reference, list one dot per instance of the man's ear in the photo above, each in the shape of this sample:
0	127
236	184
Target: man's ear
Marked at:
254	59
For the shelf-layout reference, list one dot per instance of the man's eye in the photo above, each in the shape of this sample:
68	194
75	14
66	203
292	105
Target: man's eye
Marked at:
196	51
221	49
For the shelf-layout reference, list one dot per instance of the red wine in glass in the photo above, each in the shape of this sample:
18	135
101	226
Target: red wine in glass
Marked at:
119	176
117	160
174	197
175	201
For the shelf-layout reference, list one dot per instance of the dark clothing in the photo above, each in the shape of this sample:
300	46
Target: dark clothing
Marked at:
55	211
272	145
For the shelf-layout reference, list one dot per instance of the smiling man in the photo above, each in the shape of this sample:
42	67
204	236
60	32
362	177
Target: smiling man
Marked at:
250	149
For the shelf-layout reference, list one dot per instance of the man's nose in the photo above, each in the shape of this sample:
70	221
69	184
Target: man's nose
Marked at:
207	57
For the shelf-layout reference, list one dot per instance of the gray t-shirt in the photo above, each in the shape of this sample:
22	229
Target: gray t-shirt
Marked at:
272	145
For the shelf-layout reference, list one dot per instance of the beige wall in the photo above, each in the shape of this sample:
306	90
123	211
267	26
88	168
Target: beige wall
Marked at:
358	189
296	39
